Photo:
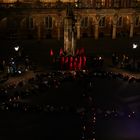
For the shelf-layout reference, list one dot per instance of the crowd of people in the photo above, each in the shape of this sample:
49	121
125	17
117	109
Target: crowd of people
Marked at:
72	69
79	61
125	62
69	62
14	97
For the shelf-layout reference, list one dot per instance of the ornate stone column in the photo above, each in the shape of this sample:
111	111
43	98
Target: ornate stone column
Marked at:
58	30
131	26
69	32
78	30
96	22
58	24
131	29
96	31
115	19
23	23
38	25
114	31
39	32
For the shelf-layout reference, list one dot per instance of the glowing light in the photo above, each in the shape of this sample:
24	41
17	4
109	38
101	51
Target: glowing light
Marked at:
16	48
135	46
19	72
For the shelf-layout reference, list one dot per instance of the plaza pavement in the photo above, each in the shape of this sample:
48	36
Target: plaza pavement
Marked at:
39	52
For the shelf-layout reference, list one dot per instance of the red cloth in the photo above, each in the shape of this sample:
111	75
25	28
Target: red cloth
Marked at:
76	59
82	51
70	66
51	52
62	60
66	60
75	65
77	52
79	66
61	52
85	59
80	60
71	59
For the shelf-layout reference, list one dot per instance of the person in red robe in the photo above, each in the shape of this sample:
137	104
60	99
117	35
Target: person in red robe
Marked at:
71	65
66	62
85	59
61	52
75	65
79	66
77	52
71	59
62	62
51	52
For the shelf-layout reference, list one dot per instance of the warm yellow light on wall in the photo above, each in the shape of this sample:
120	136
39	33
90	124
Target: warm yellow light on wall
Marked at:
110	20
103	2
9	1
127	19
50	1
57	0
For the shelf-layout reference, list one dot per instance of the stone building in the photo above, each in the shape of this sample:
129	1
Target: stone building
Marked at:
42	19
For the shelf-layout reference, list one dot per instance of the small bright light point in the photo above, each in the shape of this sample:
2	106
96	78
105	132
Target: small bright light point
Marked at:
84	71
135	46
19	72
16	48
76	5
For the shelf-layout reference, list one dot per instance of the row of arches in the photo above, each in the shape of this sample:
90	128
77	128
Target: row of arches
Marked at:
104	20
85	21
50	26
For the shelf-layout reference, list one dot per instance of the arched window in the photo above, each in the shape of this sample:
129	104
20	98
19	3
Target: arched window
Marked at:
134	3
103	3
137	21
128	3
116	3
30	23
85	22
48	22
109	3
102	22
119	22
12	24
98	3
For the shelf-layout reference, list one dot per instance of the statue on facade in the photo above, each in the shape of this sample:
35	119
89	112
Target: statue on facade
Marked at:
69	31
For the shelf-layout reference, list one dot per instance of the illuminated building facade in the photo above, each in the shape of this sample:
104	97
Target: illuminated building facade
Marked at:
42	19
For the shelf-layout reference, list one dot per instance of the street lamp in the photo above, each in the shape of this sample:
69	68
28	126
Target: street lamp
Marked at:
135	46
16	48
17	51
